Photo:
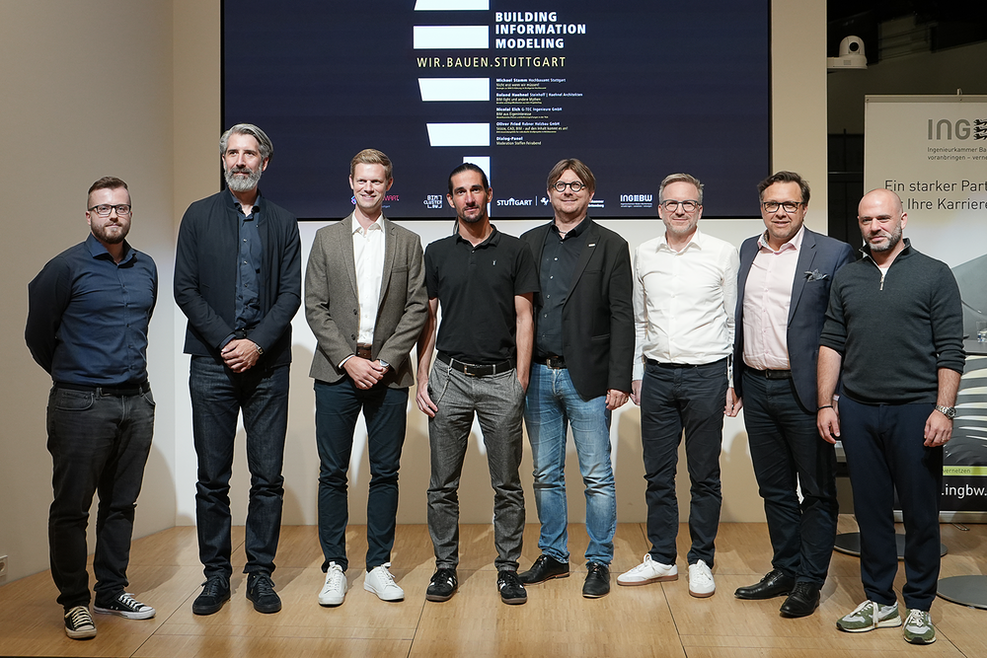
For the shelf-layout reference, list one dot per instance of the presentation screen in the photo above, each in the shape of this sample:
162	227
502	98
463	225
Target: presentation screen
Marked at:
636	89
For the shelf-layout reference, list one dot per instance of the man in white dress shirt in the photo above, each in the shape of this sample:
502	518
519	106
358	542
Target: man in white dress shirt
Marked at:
365	302
685	291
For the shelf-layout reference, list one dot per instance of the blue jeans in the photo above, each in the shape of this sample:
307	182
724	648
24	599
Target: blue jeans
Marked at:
884	454
498	402
787	452
552	404
673	398
218	396
98	443
337	407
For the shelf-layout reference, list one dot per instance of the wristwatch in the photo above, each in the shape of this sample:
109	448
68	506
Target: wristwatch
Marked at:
948	412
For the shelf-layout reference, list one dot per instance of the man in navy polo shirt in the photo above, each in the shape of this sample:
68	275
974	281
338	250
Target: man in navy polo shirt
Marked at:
485	281
88	315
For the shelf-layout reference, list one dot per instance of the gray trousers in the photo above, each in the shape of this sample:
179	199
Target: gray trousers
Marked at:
498	402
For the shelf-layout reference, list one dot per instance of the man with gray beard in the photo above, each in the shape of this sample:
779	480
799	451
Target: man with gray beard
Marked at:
238	280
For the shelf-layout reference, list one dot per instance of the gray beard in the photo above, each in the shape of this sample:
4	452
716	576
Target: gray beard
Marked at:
239	184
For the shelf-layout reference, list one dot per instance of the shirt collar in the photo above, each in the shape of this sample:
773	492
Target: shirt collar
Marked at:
795	243
236	202
97	250
576	231
355	228
696	242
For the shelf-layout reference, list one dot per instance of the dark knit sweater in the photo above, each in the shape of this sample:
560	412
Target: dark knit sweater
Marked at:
895	333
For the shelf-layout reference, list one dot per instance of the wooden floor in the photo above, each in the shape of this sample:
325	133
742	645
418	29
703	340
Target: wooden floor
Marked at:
655	620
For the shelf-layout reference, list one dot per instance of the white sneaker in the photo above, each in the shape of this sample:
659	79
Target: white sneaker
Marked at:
380	581
648	571
701	583
334	591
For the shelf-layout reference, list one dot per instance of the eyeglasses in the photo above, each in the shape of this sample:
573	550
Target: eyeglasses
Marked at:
575	186
104	210
687	206
789	206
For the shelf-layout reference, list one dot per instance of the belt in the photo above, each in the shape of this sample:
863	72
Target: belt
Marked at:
476	370
771	374
679	366
553	361
108	391
363	350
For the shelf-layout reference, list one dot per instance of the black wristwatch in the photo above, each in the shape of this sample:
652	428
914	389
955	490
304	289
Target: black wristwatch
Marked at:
948	412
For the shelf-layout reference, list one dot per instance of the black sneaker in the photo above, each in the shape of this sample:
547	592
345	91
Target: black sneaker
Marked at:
597	583
442	586
79	623
511	590
260	590
215	592
126	606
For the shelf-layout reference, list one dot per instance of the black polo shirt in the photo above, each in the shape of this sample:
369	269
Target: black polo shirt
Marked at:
476	287
559	257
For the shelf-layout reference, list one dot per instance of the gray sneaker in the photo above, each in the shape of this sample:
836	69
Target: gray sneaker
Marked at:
918	628
869	615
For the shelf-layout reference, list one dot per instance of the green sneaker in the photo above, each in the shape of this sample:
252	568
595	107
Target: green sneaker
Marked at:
869	615
918	628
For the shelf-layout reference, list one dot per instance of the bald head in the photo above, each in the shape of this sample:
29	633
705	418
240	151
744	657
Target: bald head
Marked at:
880	198
881	222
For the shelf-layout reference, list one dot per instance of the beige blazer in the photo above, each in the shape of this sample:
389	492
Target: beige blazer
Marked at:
333	310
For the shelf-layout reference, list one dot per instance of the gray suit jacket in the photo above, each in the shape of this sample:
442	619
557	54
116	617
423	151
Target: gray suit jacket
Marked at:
333	309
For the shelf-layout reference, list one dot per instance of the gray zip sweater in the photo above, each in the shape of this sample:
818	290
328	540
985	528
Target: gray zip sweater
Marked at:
895	331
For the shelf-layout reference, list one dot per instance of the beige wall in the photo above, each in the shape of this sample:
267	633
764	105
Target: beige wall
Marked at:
159	131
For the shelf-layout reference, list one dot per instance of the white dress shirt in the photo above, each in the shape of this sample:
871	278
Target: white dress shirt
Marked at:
684	301
767	300
368	258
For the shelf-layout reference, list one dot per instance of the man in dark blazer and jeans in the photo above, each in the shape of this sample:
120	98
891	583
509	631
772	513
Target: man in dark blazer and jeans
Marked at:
580	372
238	280
782	294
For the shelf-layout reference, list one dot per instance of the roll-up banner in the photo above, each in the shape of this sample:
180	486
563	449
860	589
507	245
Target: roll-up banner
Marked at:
932	151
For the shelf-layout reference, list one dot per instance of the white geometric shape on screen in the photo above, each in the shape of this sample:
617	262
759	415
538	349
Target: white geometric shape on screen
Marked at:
454	89
481	161
452	5
442	37
458	134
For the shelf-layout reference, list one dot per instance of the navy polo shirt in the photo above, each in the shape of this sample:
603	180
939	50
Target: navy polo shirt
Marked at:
476	287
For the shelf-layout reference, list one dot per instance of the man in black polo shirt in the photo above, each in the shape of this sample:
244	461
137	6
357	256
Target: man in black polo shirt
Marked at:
486	281
87	321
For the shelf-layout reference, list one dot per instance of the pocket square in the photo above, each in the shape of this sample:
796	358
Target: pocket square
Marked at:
816	275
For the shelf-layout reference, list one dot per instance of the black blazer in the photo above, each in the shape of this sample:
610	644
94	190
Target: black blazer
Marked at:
821	256
598	315
205	276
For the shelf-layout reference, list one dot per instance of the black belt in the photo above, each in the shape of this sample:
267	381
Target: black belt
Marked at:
363	351
554	362
476	370
108	391
771	374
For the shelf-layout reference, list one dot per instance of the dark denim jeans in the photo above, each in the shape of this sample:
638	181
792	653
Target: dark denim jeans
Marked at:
885	452
673	398
98	443
498	402
218	396
788	453
337	407
552	406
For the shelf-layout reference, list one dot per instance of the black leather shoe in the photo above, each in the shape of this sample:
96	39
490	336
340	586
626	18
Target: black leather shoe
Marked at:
597	583
510	587
775	583
442	586
803	600
215	592
260	590
545	568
